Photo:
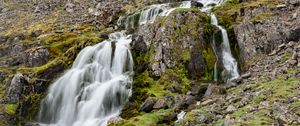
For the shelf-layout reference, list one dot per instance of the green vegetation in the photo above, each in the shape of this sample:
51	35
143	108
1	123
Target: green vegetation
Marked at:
11	108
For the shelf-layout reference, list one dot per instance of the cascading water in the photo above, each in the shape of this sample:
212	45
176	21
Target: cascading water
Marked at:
94	89
149	15
229	62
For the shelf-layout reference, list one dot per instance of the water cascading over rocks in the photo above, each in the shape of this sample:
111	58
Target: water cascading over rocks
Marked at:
94	89
230	64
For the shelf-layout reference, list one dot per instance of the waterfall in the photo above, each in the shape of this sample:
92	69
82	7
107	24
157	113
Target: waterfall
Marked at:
94	89
229	62
149	14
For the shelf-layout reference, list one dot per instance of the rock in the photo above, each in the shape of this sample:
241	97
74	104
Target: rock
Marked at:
227	122
246	75
230	109
161	103
214	89
196	3
294	16
114	120
201	119
184	100
38	57
198	89
281	112
15	88
104	36
295	55
147	106
281	6
196	65
69	7
208	102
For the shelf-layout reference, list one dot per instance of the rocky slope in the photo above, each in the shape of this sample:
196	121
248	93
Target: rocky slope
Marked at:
174	60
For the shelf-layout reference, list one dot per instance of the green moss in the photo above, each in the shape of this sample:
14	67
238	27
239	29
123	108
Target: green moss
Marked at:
210	59
145	119
34	100
11	108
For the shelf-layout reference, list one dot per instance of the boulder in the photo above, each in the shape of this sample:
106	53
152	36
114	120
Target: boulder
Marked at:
15	88
214	89
147	106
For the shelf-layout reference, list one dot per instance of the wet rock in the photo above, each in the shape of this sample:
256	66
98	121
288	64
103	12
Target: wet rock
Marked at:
104	36
161	103
196	3
15	88
147	106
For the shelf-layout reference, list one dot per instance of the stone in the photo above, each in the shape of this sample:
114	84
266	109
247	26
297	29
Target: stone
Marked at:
230	109
246	75
15	88
198	90
208	102
295	55
69	7
281	6
214	89
160	104
114	120
38	57
147	106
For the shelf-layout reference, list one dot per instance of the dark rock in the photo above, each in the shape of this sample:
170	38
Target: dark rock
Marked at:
147	106
196	65
198	90
104	36
196	3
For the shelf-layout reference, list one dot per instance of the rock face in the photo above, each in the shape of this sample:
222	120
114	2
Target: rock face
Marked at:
254	37
171	47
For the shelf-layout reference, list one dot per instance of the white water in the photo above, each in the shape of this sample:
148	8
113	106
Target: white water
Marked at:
229	62
94	89
150	14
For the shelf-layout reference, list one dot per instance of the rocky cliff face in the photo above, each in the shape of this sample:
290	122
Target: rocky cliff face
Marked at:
174	60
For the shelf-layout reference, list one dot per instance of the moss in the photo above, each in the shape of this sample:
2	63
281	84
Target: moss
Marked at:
34	100
261	16
11	108
145	119
210	59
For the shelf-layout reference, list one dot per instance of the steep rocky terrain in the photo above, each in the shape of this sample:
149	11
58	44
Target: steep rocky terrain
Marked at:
174	60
